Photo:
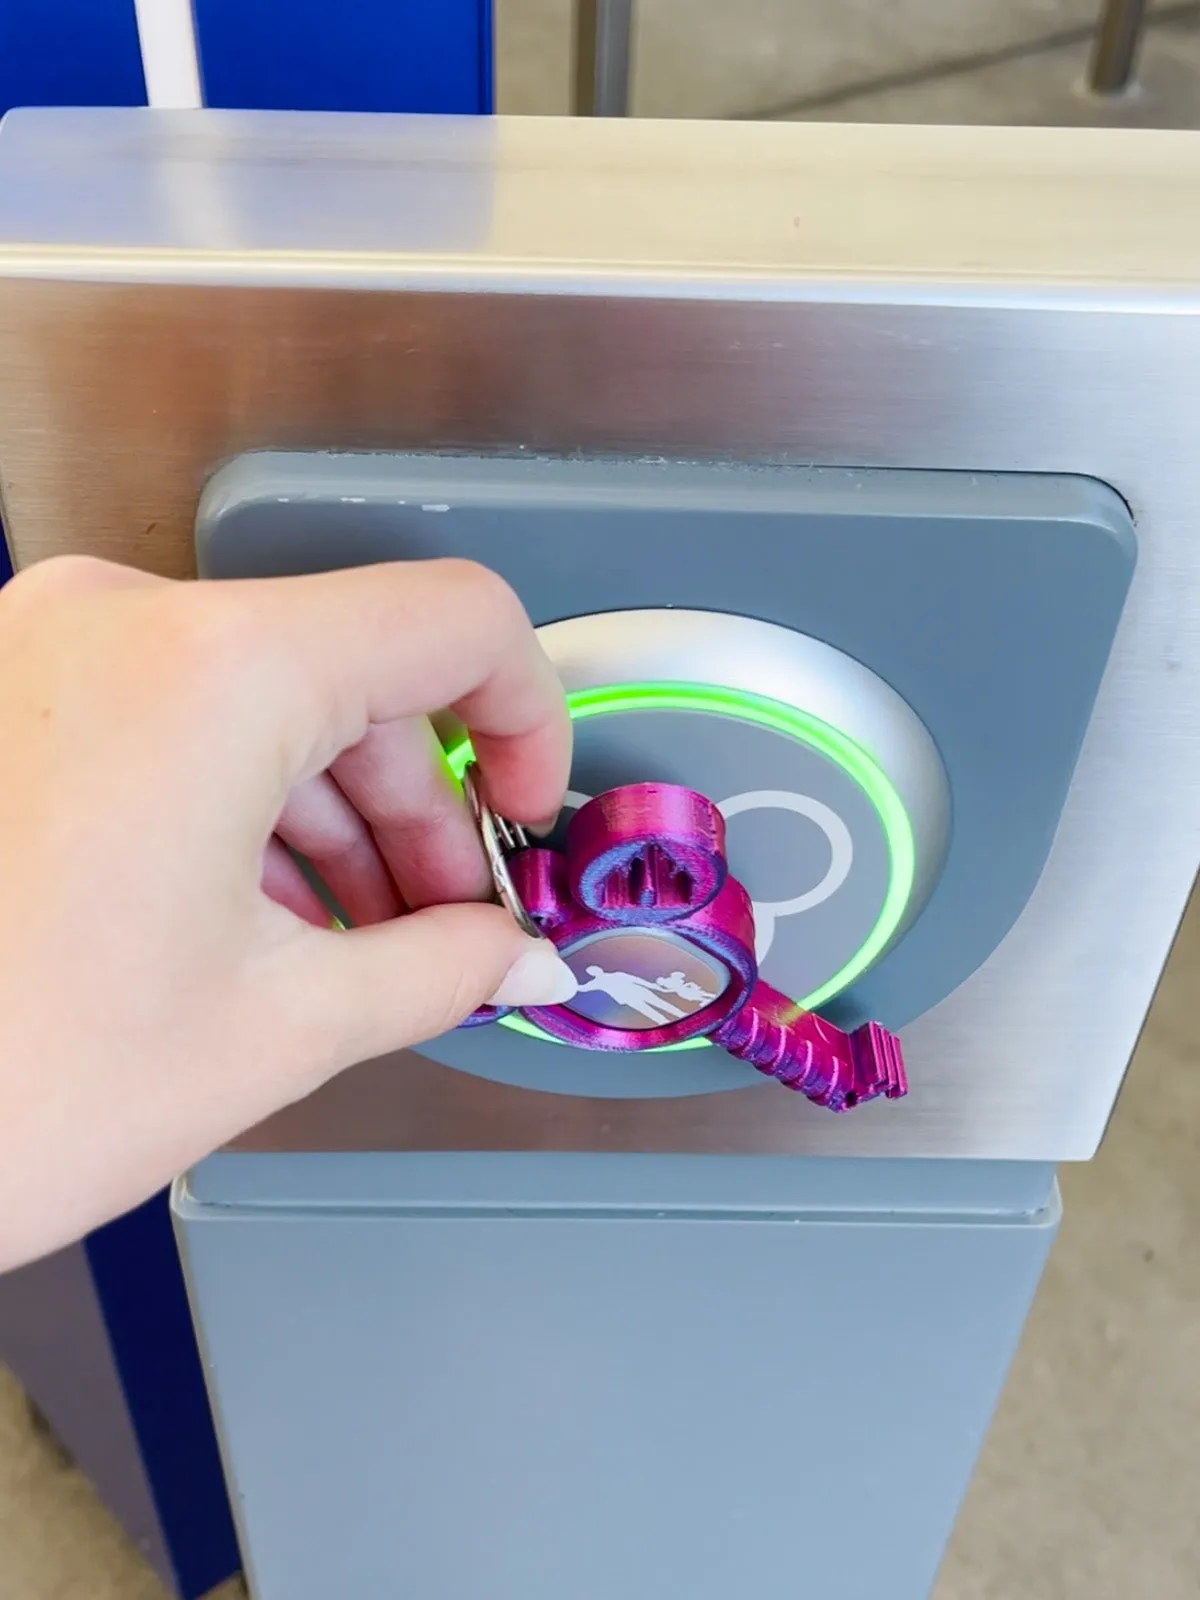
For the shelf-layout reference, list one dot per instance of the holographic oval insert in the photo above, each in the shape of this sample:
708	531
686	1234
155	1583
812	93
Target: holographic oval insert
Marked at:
638	978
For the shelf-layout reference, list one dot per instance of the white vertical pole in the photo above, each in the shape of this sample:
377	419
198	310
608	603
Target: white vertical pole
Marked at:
167	34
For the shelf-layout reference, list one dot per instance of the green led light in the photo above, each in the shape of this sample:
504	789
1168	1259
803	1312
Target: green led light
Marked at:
796	724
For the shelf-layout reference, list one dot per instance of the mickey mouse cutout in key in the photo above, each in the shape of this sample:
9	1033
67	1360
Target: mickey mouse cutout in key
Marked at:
641	907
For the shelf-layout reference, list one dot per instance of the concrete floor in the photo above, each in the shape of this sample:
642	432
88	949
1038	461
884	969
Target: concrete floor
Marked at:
989	61
1089	1482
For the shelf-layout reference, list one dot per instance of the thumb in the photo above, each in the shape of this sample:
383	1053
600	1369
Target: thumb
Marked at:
394	984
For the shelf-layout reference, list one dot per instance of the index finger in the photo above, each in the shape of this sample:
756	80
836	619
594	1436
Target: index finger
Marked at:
370	645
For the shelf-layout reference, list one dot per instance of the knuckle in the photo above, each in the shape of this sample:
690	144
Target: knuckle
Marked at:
59	578
73	573
443	1008
466	992
460	965
488	593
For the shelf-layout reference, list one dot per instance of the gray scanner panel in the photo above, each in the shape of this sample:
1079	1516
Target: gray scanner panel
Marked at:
988	601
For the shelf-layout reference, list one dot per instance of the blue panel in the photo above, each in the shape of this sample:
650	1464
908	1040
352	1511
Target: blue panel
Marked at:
372	55
141	1291
69	53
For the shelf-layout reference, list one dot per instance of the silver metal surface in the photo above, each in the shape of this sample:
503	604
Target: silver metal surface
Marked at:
176	288
603	47
742	653
499	838
1115	52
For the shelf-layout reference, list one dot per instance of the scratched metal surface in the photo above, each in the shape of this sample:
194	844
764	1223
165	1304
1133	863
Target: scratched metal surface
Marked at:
174	290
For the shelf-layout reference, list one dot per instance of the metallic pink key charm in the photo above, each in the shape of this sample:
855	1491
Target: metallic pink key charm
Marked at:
641	906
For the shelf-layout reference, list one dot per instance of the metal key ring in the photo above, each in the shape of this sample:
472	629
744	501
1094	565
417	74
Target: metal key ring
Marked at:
499	837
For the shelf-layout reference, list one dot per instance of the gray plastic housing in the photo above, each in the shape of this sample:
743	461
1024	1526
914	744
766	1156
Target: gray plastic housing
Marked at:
989	602
605	1377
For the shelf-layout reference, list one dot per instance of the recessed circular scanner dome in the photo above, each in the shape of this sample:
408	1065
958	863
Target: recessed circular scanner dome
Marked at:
835	798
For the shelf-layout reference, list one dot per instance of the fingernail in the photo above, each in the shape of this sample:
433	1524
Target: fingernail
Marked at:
538	977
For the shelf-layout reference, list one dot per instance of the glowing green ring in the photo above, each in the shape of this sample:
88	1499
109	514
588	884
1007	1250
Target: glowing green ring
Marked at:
828	741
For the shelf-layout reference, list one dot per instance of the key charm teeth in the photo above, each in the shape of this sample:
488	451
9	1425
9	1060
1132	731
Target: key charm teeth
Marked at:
804	1052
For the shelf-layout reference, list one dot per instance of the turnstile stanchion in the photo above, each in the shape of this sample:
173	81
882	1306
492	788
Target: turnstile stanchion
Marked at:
847	488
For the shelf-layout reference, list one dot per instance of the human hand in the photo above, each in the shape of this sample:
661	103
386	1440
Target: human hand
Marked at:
167	976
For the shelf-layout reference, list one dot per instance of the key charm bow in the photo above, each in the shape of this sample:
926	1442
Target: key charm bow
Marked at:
642	908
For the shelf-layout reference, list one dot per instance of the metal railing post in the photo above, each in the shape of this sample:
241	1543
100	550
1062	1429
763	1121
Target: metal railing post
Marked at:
1115	52
602	47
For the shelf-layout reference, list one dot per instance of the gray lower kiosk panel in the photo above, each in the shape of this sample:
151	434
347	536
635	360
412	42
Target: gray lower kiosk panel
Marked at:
465	1377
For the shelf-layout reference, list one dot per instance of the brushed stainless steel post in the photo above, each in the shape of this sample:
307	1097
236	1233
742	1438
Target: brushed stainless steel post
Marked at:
1115	52
603	32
